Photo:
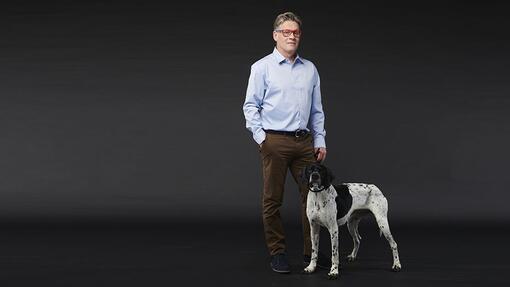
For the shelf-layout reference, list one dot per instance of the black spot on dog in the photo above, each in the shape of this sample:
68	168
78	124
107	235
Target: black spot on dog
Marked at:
343	200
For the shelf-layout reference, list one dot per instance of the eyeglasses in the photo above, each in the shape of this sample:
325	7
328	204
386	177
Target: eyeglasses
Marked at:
286	33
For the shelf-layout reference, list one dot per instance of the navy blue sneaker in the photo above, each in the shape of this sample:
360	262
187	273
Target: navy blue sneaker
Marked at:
323	262
279	263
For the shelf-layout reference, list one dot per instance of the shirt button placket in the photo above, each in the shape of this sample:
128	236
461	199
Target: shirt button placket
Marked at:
295	77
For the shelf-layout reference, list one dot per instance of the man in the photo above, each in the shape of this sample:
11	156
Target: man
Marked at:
283	110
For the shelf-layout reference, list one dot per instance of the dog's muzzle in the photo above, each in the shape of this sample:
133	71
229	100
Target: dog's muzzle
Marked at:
314	183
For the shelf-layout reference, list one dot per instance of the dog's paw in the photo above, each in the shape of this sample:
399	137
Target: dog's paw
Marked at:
333	273
309	270
396	267
351	258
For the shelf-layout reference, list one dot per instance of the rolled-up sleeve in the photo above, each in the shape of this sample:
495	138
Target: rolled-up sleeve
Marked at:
253	104
316	123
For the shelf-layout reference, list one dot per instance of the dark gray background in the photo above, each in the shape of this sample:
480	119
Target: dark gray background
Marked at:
133	110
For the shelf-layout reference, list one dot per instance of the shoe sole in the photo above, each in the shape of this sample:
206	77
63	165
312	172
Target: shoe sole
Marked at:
280	271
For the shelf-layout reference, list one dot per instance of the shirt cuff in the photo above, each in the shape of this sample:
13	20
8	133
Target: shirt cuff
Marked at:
319	142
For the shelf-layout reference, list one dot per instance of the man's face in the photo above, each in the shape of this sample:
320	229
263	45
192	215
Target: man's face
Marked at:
290	43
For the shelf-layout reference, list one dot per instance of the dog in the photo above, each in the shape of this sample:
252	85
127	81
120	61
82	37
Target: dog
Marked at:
332	206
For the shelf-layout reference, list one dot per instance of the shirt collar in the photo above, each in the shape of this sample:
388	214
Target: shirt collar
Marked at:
280	58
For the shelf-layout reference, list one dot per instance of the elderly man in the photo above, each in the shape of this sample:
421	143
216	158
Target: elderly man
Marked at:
283	110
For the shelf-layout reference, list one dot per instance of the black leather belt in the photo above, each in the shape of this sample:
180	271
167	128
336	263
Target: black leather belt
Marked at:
298	133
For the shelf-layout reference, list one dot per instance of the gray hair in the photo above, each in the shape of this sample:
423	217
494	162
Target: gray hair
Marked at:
287	16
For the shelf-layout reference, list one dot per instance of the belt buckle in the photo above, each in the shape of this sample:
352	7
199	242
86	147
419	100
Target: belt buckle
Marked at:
299	133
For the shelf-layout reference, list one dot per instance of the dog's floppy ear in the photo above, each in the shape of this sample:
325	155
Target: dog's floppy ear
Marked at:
329	177
305	175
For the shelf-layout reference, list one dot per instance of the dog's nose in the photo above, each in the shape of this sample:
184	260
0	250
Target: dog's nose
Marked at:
315	176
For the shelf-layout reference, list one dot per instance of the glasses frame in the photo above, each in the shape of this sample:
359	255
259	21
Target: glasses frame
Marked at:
296	33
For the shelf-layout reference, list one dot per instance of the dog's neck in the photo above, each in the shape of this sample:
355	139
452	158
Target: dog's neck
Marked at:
327	191
320	190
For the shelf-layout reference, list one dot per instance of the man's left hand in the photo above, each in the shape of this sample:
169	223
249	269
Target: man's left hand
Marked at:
320	153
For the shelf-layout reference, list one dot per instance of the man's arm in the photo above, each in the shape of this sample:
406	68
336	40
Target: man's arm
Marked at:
316	123
253	104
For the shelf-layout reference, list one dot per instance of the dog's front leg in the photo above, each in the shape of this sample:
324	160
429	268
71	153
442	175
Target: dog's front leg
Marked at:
314	232
333	231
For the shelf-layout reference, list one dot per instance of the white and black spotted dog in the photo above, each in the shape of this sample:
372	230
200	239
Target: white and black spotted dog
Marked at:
334	205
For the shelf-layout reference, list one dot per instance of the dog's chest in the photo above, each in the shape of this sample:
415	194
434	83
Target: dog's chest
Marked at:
329	205
321	208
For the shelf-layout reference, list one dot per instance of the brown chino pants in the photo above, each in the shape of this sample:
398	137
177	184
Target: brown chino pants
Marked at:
280	153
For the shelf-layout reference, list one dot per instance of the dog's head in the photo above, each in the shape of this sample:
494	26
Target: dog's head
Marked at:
317	176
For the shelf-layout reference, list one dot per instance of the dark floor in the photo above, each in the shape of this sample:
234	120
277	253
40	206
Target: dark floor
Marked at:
163	254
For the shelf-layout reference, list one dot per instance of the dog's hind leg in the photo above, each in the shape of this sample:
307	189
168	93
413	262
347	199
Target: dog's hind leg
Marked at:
352	226
384	227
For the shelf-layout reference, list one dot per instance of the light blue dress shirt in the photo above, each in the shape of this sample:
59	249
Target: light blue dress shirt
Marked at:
284	96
